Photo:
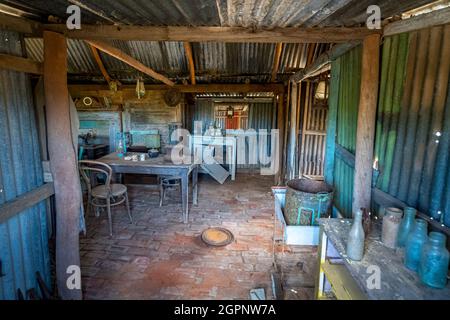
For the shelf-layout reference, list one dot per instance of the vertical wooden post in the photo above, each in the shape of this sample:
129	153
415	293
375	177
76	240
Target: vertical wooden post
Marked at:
293	131
63	162
365	132
280	119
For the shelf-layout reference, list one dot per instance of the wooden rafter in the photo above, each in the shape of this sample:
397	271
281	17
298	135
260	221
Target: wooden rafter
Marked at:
20	64
276	61
100	64
122	56
322	60
190	58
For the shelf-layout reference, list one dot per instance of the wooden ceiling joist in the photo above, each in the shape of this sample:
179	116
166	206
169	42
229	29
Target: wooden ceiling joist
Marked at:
122	56
276	61
190	34
216	34
190	59
86	89
20	64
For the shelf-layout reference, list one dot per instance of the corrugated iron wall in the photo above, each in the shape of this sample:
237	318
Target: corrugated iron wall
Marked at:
203	110
313	136
347	100
261	116
24	237
413	125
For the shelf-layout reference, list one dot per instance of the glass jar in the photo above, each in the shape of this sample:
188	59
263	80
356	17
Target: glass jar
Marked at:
414	244
433	267
391	224
406	226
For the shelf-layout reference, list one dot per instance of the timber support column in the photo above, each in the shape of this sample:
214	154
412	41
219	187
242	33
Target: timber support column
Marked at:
279	177
365	132
63	164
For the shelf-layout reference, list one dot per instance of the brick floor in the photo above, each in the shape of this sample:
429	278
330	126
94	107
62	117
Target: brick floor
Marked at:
159	257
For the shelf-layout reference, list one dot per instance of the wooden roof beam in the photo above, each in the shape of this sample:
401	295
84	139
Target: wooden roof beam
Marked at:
189	34
122	56
20	64
89	89
190	58
426	20
276	61
216	34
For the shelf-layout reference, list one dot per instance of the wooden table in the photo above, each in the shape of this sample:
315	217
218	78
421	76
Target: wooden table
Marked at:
159	166
349	278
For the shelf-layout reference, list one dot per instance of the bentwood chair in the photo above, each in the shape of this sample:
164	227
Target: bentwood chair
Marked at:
104	195
167	183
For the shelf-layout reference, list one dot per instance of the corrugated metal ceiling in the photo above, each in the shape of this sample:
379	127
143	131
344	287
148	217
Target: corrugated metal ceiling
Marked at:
214	62
255	13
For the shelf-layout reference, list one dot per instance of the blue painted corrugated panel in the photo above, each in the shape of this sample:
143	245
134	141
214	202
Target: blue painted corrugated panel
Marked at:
24	237
343	187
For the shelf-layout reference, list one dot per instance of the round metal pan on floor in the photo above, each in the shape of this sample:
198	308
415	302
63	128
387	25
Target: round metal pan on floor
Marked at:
217	237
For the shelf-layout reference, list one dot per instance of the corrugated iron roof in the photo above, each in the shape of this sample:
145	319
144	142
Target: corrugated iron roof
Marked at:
247	13
214	62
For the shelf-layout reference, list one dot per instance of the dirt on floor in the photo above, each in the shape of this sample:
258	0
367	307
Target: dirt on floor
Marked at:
160	257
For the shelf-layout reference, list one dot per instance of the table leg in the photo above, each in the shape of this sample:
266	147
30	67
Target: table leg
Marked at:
195	185
185	196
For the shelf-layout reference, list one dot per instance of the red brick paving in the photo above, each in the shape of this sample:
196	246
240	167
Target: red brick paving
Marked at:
159	257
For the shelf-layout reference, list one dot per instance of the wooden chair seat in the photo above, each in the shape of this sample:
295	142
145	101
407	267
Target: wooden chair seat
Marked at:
102	192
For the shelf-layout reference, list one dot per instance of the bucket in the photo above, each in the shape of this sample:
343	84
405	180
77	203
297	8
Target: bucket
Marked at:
307	201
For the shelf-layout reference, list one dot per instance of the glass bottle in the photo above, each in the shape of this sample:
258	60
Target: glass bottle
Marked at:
120	150
406	226
355	242
433	267
414	244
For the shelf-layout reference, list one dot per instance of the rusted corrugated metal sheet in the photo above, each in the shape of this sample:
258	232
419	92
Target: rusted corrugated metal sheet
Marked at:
24	237
413	125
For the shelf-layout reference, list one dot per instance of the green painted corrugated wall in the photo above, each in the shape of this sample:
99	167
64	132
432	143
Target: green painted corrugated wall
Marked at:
344	92
412	139
412	142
